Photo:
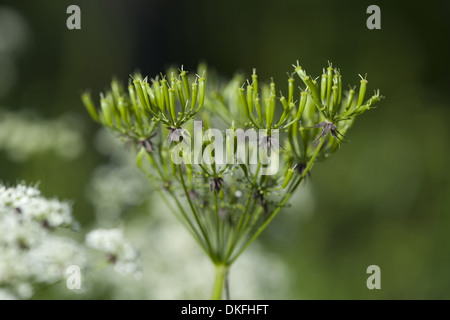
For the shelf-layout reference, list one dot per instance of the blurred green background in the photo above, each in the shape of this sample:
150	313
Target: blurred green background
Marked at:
383	199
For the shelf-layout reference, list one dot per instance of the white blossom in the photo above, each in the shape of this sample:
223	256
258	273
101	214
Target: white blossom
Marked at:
29	251
50	259
27	203
117	250
23	135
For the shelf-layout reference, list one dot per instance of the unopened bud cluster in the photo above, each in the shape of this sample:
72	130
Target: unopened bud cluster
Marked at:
225	206
134	111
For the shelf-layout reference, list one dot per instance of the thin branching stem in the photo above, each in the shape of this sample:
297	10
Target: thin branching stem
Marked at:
282	203
196	217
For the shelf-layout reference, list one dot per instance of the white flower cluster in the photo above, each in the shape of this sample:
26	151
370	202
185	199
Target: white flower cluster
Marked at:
31	253
29	205
29	250
23	136
119	252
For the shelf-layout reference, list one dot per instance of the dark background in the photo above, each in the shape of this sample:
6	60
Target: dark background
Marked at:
382	199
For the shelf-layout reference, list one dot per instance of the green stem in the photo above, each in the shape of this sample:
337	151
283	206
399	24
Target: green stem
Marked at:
283	202
221	273
191	227
216	209
247	220
194	212
186	222
244	212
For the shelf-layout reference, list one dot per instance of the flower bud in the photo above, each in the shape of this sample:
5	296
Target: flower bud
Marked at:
123	110
145	94
284	103
180	94
329	84
87	101
255	82
323	87
165	92
185	84
132	94
270	111
258	108
309	114
173	81
194	95
159	97
291	89
312	87
334	100
299	70
243	100
314	91
272	88
140	93
172	105
351	95
302	104
201	92
339	84
106	112
362	92
152	97
250	98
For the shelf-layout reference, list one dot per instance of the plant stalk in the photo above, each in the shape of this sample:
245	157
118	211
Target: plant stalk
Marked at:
283	202
221	273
